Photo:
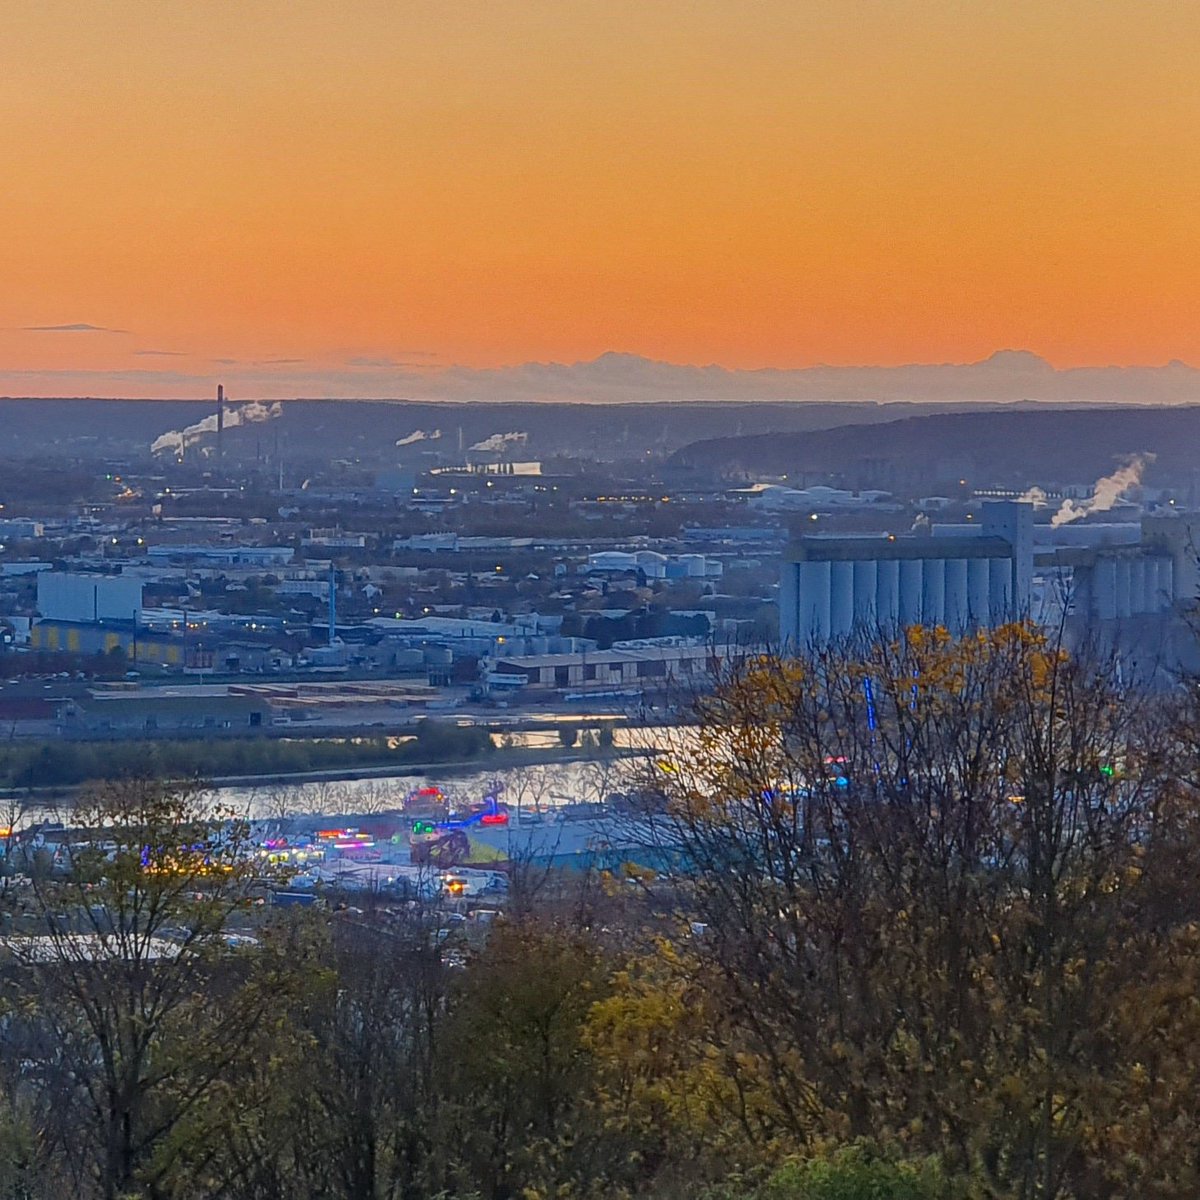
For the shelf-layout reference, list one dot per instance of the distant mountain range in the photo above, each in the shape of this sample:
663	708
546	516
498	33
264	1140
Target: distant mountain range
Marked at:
1007	375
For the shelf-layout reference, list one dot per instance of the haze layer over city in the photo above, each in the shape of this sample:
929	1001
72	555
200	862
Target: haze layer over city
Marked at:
598	599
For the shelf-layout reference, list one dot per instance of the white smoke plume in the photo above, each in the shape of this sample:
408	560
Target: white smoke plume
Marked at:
1105	492
1036	496
419	435
176	441
499	442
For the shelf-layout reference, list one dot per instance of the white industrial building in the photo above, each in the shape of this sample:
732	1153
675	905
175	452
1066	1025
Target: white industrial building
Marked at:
1122	574
599	670
774	497
974	576
333	539
82	597
833	585
654	565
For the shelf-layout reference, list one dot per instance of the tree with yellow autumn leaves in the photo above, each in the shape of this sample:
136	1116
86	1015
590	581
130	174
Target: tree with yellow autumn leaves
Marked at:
947	895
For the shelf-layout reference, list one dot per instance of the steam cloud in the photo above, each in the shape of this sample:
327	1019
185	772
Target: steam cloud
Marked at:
1106	492
499	442
176	441
419	435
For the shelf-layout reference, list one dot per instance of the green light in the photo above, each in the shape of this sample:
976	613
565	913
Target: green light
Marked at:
1107	770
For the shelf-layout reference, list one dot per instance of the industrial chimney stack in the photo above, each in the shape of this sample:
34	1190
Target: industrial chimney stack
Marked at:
332	604
220	419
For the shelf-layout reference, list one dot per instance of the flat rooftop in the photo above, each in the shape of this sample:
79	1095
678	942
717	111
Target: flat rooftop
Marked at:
867	549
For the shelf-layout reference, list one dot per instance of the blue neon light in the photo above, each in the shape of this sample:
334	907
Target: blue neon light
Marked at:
871	723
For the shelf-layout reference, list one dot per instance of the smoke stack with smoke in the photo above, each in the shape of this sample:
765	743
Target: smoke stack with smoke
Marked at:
176	441
1106	492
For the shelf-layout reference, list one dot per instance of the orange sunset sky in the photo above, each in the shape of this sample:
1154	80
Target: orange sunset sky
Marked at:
343	197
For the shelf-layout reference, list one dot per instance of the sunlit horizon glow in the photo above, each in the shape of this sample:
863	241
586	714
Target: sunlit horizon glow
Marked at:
310	198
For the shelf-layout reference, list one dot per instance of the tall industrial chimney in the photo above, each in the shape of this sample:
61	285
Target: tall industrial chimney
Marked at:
220	418
332	604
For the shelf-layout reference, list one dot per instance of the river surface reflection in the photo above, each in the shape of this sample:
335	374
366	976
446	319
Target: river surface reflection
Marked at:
542	785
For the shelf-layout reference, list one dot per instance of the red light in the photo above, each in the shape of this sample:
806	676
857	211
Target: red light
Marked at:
494	819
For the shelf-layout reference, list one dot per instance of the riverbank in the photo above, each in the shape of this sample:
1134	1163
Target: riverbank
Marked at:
499	760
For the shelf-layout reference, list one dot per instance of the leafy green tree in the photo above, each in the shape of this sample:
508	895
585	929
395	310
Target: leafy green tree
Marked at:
515	1073
853	1174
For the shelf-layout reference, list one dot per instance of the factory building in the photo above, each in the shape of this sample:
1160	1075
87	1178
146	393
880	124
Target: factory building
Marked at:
654	565
1119	583
138	645
644	667
1124	577
224	556
831	586
78	597
111	713
968	577
17	528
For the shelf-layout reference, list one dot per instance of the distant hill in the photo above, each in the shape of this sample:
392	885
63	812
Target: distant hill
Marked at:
370	430
1003	448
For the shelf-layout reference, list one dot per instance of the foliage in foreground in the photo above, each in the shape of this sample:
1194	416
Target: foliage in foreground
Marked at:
852	1173
935	936
950	907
